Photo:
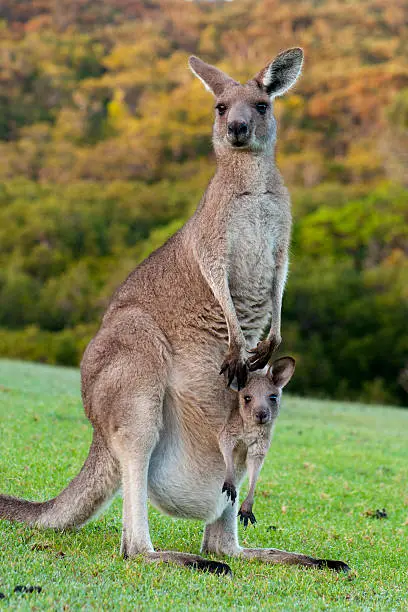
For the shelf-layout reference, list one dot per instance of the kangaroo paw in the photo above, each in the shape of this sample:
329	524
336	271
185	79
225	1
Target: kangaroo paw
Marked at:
235	367
246	517
261	354
230	490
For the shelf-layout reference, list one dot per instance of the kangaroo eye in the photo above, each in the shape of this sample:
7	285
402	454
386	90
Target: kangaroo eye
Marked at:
247	399
221	108
273	398
261	107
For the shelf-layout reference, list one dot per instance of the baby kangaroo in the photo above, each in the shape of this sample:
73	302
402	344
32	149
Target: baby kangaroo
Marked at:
250	426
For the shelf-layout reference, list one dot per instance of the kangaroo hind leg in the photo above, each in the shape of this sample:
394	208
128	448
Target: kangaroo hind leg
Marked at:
136	424
136	444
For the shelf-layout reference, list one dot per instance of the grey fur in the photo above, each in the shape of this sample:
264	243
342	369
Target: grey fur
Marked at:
150	378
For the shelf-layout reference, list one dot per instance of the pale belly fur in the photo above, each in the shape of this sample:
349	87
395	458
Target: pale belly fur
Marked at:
187	469
182	488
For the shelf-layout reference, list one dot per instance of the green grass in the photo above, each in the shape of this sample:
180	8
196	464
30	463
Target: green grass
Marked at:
330	465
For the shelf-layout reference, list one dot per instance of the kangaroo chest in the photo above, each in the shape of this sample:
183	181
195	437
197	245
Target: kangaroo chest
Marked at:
258	238
257	439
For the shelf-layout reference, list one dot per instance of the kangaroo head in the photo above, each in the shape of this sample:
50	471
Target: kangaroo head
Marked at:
259	400
244	113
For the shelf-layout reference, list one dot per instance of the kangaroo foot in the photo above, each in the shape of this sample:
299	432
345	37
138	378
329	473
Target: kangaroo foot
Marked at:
273	555
230	490
337	566
246	516
189	561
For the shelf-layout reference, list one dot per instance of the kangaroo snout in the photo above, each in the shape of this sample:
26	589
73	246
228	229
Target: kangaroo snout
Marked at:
262	417
238	128
238	132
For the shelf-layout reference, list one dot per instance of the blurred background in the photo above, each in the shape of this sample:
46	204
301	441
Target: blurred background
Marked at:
105	150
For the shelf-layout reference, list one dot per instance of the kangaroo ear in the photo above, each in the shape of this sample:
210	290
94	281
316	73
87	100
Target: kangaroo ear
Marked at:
281	371
213	79
283	72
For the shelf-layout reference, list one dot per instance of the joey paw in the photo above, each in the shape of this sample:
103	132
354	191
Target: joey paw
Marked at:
235	367
246	517
230	490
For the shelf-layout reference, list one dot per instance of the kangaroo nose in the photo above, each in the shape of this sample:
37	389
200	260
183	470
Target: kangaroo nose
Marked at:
238	128
262	416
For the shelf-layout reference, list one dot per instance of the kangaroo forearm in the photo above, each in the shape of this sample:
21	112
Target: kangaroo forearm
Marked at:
227	448
278	288
219	285
230	474
254	465
210	253
229	468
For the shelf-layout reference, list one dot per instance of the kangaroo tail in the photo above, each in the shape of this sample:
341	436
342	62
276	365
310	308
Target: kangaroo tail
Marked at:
95	484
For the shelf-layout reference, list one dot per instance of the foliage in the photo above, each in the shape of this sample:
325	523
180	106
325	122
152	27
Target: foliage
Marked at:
347	300
105	150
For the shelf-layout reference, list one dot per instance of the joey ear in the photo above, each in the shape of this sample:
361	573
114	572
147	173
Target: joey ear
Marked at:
279	76
213	79
281	371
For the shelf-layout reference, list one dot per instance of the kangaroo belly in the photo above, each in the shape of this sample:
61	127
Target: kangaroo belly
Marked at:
187	469
182	487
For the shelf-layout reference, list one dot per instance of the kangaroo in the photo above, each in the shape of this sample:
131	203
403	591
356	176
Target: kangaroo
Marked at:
249	429
150	377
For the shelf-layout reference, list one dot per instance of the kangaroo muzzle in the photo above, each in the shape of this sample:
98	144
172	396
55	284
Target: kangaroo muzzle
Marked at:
238	133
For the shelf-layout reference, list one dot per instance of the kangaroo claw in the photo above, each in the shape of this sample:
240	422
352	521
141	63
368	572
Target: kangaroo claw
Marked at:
262	354
230	490
234	367
246	517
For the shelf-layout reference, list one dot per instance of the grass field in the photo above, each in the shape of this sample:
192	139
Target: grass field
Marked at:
330	467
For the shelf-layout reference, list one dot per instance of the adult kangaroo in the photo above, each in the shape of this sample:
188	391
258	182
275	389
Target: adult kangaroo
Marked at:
151	383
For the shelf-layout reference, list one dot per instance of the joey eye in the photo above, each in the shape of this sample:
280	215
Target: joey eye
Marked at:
247	399
261	107
221	108
273	398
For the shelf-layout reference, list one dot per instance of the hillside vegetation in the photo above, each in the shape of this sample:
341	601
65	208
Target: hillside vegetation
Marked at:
331	466
105	150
